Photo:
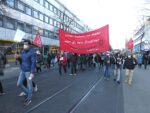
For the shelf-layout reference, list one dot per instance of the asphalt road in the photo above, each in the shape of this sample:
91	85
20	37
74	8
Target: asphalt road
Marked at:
87	92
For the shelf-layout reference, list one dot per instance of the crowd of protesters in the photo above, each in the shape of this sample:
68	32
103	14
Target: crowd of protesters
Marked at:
110	64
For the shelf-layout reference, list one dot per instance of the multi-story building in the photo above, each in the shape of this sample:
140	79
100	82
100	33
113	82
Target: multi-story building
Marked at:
137	38
142	38
31	16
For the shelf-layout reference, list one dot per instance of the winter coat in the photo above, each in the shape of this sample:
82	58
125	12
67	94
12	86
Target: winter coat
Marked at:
118	62
139	59
130	63
107	61
38	60
2	63
74	58
62	59
28	60
97	58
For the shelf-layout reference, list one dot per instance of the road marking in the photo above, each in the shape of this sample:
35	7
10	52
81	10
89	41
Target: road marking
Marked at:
49	98
85	96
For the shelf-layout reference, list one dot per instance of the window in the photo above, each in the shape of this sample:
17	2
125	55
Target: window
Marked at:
55	23
75	24
10	23
70	20
62	26
46	4
51	34
46	33
28	10
51	21
35	14
1	20
66	18
41	32
41	2
46	19
62	15
71	23
20	6
55	36
35	30
55	10
51	7
28	28
20	26
41	17
10	2
58	13
65	27
58	24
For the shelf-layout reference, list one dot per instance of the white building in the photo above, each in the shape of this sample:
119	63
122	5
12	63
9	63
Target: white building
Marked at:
142	38
46	16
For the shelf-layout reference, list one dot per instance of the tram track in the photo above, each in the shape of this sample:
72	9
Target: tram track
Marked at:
74	106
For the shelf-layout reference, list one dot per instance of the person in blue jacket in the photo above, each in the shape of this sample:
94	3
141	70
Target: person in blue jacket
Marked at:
28	66
139	60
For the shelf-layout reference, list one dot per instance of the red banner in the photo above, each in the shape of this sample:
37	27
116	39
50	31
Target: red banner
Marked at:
37	40
85	43
129	44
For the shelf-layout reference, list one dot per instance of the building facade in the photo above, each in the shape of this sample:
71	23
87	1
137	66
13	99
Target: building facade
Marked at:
142	38
31	16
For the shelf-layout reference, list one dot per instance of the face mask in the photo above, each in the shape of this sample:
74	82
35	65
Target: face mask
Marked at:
25	46
129	56
37	52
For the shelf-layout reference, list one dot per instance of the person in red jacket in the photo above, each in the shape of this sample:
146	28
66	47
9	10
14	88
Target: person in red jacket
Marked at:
62	61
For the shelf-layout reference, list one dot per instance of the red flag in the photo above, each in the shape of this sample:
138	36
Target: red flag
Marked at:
37	40
85	43
130	44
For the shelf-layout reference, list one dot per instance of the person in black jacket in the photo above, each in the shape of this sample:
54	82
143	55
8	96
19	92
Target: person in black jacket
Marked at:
2	64
73	61
38	61
118	68
107	66
129	65
3	61
145	60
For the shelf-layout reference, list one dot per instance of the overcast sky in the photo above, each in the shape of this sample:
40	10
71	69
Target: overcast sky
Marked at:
121	15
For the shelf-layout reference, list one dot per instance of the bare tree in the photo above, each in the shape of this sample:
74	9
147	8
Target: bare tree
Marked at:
3	10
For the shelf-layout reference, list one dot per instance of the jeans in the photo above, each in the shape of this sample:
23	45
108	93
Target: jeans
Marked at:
107	71
145	64
1	87
117	74
113	69
64	67
28	91
73	68
97	65
25	83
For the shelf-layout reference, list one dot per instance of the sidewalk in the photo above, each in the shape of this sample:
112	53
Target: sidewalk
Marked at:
136	96
12	70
